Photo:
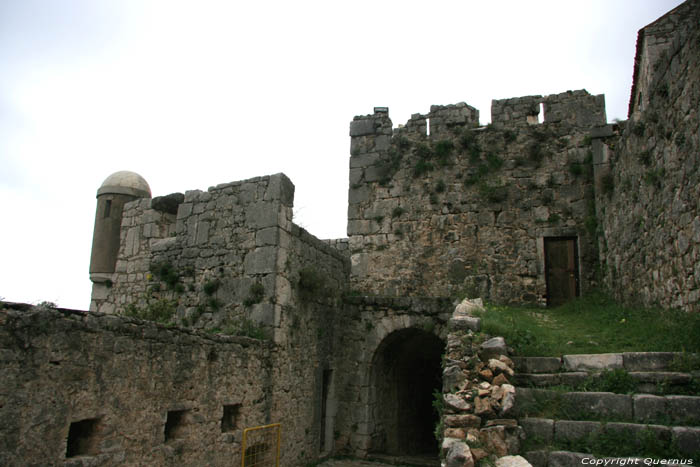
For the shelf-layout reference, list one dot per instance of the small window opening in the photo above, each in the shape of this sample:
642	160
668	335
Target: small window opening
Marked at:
427	127
108	208
83	438
229	420
639	101
175	424
536	117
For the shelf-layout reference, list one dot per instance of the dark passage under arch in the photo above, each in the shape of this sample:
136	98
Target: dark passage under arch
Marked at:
406	371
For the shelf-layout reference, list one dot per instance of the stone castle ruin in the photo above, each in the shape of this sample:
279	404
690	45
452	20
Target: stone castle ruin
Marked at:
340	341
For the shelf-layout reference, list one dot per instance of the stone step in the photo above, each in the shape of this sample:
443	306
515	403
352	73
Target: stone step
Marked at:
639	408
650	382
549	432
569	459
630	361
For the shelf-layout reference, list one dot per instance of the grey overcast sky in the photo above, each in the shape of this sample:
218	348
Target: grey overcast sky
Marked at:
191	94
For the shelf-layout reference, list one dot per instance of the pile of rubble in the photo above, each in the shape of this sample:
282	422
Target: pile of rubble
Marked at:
478	395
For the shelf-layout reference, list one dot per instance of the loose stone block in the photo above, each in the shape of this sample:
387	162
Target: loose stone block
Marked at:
459	455
587	362
456	403
454	433
452	377
493	440
447	443
492	348
465	323
462	421
498	367
499	380
502	421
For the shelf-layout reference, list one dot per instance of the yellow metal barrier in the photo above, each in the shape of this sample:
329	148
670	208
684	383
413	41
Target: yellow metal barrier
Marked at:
261	446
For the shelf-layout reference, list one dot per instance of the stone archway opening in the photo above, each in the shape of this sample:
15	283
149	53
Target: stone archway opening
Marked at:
406	372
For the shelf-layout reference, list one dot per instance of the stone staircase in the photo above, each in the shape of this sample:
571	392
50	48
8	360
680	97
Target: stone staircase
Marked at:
577	408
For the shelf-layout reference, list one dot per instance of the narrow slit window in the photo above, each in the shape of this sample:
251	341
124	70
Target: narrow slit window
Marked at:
108	208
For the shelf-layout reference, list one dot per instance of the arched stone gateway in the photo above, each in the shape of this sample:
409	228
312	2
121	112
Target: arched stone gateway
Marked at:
404	375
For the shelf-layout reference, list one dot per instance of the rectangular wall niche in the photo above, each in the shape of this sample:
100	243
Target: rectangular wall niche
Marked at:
229	420
176	424
83	438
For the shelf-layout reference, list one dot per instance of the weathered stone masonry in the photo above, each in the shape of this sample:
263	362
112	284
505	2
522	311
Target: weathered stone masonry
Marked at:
224	245
355	328
462	208
126	380
648	210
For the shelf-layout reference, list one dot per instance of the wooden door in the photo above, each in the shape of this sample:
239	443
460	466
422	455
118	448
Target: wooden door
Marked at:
561	269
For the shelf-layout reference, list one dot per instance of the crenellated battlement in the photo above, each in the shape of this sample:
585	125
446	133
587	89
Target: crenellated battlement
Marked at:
578	108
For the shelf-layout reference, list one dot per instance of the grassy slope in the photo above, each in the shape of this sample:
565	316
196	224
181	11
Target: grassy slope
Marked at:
594	324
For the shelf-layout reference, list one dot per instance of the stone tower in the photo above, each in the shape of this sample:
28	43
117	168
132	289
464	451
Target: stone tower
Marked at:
117	190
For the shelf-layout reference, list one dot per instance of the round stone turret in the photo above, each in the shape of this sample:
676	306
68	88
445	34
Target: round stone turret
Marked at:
117	190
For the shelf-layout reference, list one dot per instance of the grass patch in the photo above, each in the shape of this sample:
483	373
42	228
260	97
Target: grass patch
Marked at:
242	327
256	293
165	272
592	324
161	311
311	283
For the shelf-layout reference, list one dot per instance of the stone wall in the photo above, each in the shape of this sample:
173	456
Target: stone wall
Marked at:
654	42
230	259
145	394
650	218
215	260
465	209
386	350
477	398
312	278
574	107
